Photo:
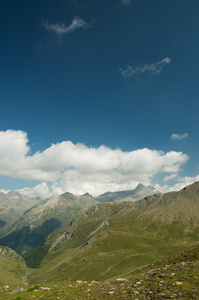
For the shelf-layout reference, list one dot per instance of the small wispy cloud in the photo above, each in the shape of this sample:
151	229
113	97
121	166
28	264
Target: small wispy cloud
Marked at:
177	136
154	68
61	29
126	2
170	177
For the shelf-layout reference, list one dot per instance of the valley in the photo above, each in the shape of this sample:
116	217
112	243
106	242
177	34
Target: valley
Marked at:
97	249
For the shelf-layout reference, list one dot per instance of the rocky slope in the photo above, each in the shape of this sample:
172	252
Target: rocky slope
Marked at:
12	206
30	230
11	253
130	195
33	220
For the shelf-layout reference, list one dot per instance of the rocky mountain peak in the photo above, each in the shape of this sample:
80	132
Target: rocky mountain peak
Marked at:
87	195
139	187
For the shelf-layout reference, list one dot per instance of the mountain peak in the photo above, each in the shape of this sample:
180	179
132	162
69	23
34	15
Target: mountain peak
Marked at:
87	195
139	186
151	188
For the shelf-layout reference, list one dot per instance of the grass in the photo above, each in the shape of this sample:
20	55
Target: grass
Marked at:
174	277
12	271
128	242
110	254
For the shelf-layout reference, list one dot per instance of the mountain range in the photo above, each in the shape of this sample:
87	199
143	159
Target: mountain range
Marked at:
98	240
114	238
32	219
130	195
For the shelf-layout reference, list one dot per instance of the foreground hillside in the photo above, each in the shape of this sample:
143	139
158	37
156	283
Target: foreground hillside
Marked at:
114	238
174	277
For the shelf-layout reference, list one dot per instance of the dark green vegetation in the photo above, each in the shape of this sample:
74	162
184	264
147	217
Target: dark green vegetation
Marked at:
2	223
151	241
26	239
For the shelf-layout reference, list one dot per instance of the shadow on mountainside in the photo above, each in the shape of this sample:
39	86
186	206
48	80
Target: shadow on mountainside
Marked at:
2	223
26	239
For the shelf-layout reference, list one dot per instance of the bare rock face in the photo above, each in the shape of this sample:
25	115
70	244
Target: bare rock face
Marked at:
11	253
138	193
13	205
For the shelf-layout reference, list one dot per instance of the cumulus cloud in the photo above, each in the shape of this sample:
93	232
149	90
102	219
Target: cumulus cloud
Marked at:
78	169
177	136
41	190
61	29
154	68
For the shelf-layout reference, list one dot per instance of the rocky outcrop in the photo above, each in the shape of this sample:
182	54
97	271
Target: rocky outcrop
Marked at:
11	253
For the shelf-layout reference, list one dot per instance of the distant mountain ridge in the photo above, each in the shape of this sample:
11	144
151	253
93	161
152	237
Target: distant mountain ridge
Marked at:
30	227
129	195
13	205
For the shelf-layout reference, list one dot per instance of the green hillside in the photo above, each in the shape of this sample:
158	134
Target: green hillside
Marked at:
125	250
113	238
13	270
174	277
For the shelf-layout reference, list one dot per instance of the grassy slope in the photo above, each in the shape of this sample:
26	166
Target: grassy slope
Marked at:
174	277
117	249
113	238
12	271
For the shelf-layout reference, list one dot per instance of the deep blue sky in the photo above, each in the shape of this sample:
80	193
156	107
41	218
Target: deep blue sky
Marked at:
70	87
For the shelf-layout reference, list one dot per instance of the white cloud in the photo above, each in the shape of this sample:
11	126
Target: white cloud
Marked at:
182	182
126	2
78	169
170	177
41	190
4	191
154	68
61	29
176	136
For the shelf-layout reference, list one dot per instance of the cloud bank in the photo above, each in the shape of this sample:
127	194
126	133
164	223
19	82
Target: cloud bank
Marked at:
61	29
154	68
77	168
176	136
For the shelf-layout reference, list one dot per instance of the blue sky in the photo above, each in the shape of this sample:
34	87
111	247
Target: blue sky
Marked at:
98	95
